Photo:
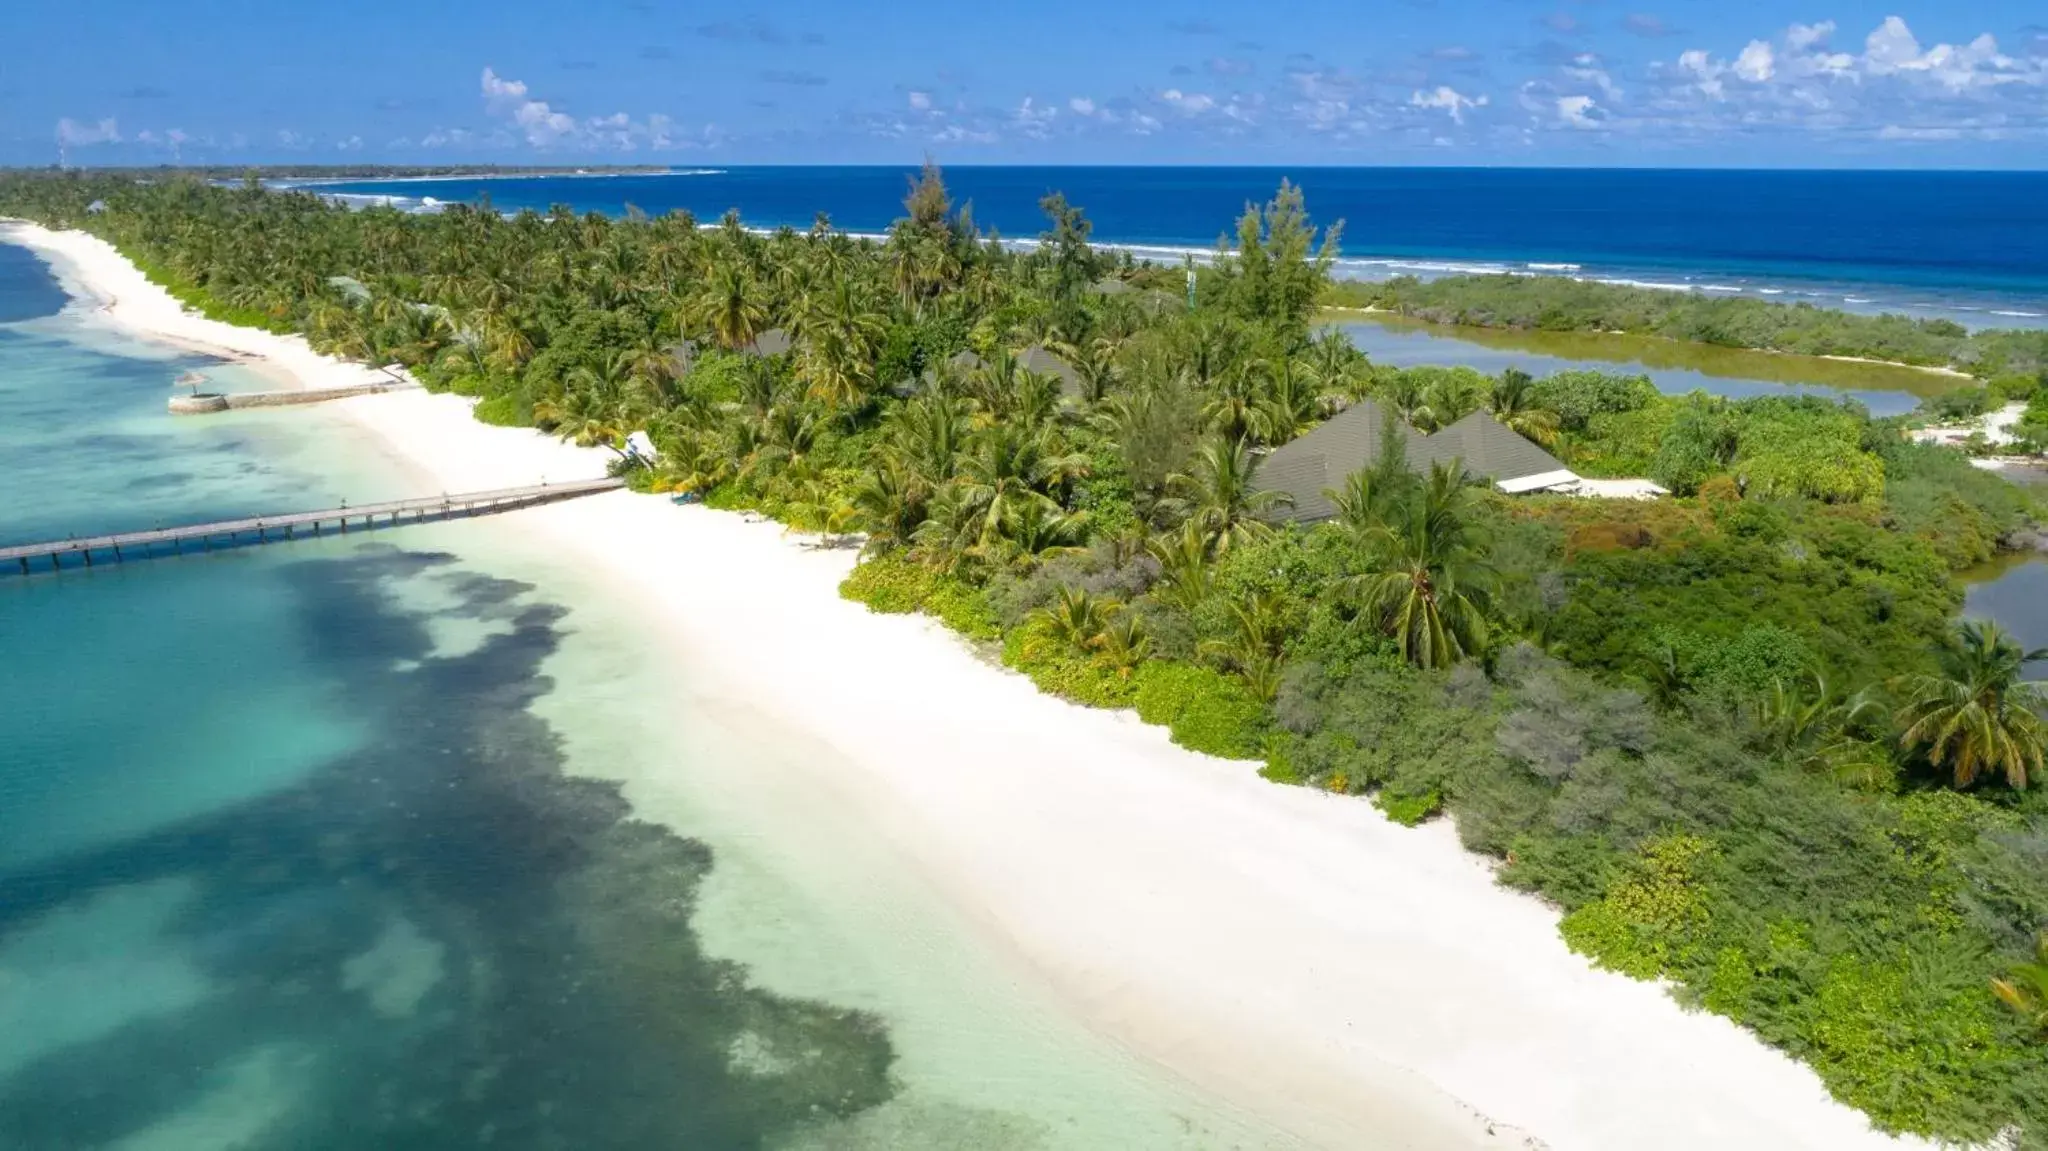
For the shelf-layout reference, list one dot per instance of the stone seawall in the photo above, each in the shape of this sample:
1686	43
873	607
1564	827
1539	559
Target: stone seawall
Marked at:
205	402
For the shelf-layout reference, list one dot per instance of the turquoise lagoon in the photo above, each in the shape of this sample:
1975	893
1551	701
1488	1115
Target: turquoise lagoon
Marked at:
404	842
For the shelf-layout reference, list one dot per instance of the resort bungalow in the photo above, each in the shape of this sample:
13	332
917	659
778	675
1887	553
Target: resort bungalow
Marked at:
1038	361
1035	359
1349	442
772	342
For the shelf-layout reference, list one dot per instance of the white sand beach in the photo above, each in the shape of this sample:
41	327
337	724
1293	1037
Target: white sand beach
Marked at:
1358	983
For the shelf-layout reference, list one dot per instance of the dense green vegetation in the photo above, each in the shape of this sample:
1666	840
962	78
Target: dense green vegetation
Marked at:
1560	304
1734	734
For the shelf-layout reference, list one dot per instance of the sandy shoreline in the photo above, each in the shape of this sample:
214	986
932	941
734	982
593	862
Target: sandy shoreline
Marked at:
1356	982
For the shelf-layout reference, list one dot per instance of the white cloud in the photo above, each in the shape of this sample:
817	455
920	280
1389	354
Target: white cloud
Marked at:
1755	64
1898	132
1193	103
1448	99
1578	111
921	101
1892	48
1893	88
1704	73
502	91
1891	51
544	127
541	124
1082	106
1034	119
1800	37
74	134
1585	67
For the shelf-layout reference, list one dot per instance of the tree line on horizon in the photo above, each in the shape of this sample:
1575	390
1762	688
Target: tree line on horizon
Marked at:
1737	735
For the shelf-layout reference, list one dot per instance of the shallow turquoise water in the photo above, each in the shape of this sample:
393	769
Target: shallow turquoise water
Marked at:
319	846
279	870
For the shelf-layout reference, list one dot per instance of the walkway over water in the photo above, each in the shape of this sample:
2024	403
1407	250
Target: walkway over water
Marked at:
272	529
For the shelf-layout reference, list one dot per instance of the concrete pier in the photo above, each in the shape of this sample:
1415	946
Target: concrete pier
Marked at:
201	403
52	556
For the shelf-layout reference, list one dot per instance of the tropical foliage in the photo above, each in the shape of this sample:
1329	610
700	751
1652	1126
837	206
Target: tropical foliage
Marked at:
1734	734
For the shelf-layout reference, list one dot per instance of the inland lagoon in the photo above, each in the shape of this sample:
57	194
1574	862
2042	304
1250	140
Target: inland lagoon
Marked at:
1676	367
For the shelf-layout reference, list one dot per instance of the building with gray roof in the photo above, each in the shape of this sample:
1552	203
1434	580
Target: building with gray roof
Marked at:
772	342
1349	442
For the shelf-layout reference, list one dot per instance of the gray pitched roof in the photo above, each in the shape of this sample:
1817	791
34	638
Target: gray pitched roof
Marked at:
1488	447
1349	442
1037	359
682	355
772	342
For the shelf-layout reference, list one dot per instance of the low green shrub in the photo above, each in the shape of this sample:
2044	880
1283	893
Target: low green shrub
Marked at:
888	583
963	607
1408	810
1205	710
1650	917
894	584
503	412
200	300
1069	675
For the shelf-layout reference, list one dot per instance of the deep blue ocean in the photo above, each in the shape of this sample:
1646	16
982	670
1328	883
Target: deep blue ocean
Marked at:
1969	245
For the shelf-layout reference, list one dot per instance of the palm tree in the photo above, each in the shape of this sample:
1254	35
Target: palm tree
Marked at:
1978	715
1094	363
1035	530
1336	363
1443	403
1002	470
582	416
1288	404
1427	583
1217	494
1253	647
1069	625
2027	991
1232	411
840	330
1810	723
729	308
928	434
891	501
1186	566
1124	644
1513	402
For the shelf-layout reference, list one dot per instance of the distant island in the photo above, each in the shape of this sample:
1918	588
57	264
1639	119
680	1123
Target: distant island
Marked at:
359	171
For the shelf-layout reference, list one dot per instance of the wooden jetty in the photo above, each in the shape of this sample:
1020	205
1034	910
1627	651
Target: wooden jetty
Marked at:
293	525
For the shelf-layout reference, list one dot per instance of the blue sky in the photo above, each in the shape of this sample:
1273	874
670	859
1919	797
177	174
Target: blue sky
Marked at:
1905	83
